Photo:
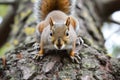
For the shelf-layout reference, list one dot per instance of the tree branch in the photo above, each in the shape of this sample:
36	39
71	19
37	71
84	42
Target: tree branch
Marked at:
107	7
113	21
7	2
5	26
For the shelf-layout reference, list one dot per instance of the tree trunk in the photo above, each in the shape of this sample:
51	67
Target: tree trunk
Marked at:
91	61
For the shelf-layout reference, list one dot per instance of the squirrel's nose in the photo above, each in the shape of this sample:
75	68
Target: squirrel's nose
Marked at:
59	43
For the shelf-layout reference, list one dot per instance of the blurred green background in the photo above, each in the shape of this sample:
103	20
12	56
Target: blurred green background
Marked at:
3	11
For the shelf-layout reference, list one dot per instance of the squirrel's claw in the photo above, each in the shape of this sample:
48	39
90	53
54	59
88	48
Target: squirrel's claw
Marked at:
39	56
76	58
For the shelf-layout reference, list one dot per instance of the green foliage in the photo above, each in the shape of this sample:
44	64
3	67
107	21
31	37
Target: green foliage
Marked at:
5	48
3	10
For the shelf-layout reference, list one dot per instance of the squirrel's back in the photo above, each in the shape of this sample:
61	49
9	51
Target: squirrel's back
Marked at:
44	7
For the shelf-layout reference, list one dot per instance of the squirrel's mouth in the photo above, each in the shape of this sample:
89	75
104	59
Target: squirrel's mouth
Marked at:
59	46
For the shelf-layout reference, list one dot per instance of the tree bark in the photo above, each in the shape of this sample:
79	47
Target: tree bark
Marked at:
93	63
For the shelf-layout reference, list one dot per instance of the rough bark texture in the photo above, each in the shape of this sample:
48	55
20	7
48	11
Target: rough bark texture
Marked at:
94	64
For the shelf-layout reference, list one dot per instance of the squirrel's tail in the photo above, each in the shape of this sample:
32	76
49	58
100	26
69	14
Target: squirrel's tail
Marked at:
44	7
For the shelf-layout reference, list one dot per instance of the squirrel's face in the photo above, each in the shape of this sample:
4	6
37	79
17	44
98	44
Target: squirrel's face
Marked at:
59	34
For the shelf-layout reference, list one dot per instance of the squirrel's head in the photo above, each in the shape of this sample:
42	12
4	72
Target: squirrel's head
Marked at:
60	33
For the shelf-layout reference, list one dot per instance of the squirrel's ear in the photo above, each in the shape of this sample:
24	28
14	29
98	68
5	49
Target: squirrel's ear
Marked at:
67	23
51	22
40	26
74	22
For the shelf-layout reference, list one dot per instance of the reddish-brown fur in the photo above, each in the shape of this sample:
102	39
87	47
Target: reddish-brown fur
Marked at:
46	6
56	11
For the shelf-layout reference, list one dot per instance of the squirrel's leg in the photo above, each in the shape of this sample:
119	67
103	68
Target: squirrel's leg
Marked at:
41	49
40	53
73	55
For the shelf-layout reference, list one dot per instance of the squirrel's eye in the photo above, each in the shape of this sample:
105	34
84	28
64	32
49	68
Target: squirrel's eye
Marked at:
51	34
67	34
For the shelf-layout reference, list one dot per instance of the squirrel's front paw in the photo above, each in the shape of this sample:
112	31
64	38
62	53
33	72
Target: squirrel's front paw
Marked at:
76	58
39	56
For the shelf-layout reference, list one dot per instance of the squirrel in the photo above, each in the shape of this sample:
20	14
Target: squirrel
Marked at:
56	26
